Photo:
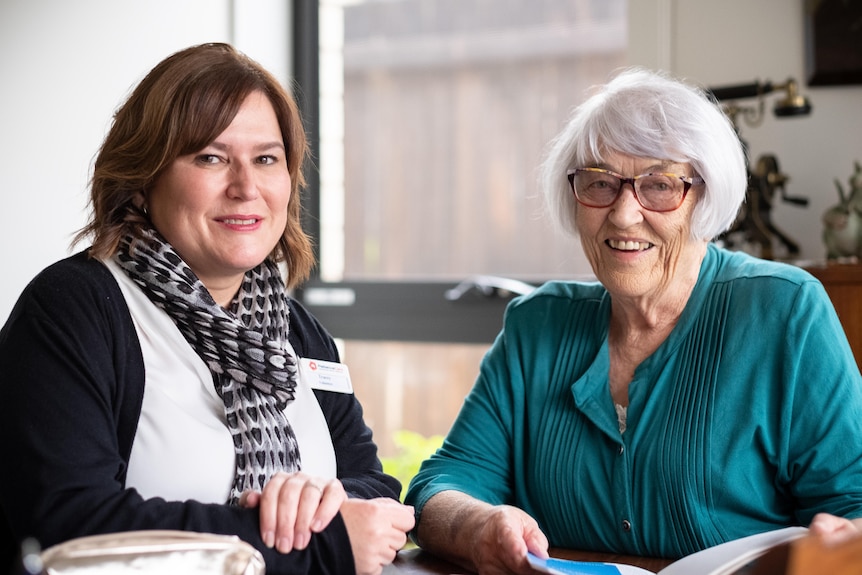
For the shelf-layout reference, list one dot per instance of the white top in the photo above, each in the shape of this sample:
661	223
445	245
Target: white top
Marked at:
622	412
182	448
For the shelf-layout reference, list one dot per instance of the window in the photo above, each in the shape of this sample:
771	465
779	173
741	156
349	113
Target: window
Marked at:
433	118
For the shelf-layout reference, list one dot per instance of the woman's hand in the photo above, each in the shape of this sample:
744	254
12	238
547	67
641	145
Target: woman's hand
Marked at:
501	543
489	539
377	529
293	506
834	529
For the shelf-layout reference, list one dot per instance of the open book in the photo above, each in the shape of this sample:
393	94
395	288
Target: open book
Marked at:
724	559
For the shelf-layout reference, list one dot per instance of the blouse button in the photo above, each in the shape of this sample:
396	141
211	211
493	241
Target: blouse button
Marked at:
622	449
627	525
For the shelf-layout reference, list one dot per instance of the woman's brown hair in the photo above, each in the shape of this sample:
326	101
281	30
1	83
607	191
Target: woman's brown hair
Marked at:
180	107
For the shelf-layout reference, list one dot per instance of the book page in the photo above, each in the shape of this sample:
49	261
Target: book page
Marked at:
568	567
726	558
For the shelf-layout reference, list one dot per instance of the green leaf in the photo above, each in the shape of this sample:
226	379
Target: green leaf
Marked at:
413	449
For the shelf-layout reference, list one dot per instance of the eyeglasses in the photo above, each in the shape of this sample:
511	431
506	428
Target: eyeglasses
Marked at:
657	192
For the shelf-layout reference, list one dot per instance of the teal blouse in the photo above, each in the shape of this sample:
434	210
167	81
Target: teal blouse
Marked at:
747	418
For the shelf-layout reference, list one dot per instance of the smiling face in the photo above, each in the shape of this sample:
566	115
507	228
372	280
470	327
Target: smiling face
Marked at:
636	253
224	208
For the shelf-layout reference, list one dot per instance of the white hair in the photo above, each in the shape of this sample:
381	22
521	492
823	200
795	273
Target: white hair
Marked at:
648	114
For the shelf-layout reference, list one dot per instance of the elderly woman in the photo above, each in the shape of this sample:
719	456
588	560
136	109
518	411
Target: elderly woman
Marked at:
690	397
154	380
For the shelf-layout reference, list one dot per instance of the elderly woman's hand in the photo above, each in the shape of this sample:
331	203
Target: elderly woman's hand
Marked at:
293	506
835	529
489	539
501	543
377	529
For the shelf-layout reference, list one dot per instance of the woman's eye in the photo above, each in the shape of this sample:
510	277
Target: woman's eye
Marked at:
267	160
207	159
601	185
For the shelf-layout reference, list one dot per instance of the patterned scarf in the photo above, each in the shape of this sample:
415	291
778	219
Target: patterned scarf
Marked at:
246	349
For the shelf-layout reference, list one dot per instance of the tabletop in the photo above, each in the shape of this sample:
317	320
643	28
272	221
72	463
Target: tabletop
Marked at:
416	561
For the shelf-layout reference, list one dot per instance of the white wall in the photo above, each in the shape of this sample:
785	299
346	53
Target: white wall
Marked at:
65	67
740	41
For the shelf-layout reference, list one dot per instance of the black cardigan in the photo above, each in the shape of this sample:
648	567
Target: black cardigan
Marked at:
71	388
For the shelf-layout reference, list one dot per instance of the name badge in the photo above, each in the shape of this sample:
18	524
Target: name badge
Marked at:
325	375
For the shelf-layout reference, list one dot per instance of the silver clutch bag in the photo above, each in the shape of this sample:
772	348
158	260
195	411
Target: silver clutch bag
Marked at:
163	552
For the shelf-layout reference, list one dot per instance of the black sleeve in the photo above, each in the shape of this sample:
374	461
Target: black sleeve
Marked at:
359	468
71	385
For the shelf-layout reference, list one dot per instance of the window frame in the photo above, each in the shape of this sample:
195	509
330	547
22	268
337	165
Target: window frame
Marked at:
375	310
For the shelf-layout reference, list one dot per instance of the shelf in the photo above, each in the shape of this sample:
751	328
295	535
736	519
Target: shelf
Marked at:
843	283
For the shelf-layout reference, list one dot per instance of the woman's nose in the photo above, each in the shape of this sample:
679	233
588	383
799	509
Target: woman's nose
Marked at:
626	210
242	181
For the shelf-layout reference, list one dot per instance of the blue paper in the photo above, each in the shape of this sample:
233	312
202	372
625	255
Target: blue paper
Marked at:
566	567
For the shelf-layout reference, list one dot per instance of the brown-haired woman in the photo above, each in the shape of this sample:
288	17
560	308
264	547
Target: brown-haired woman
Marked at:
155	380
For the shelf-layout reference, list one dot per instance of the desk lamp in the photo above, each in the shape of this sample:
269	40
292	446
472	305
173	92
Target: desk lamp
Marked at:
753	221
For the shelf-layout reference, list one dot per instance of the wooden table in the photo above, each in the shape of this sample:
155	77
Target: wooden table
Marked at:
416	561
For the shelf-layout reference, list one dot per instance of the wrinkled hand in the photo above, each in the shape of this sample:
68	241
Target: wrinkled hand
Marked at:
501	544
293	506
377	529
834	529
